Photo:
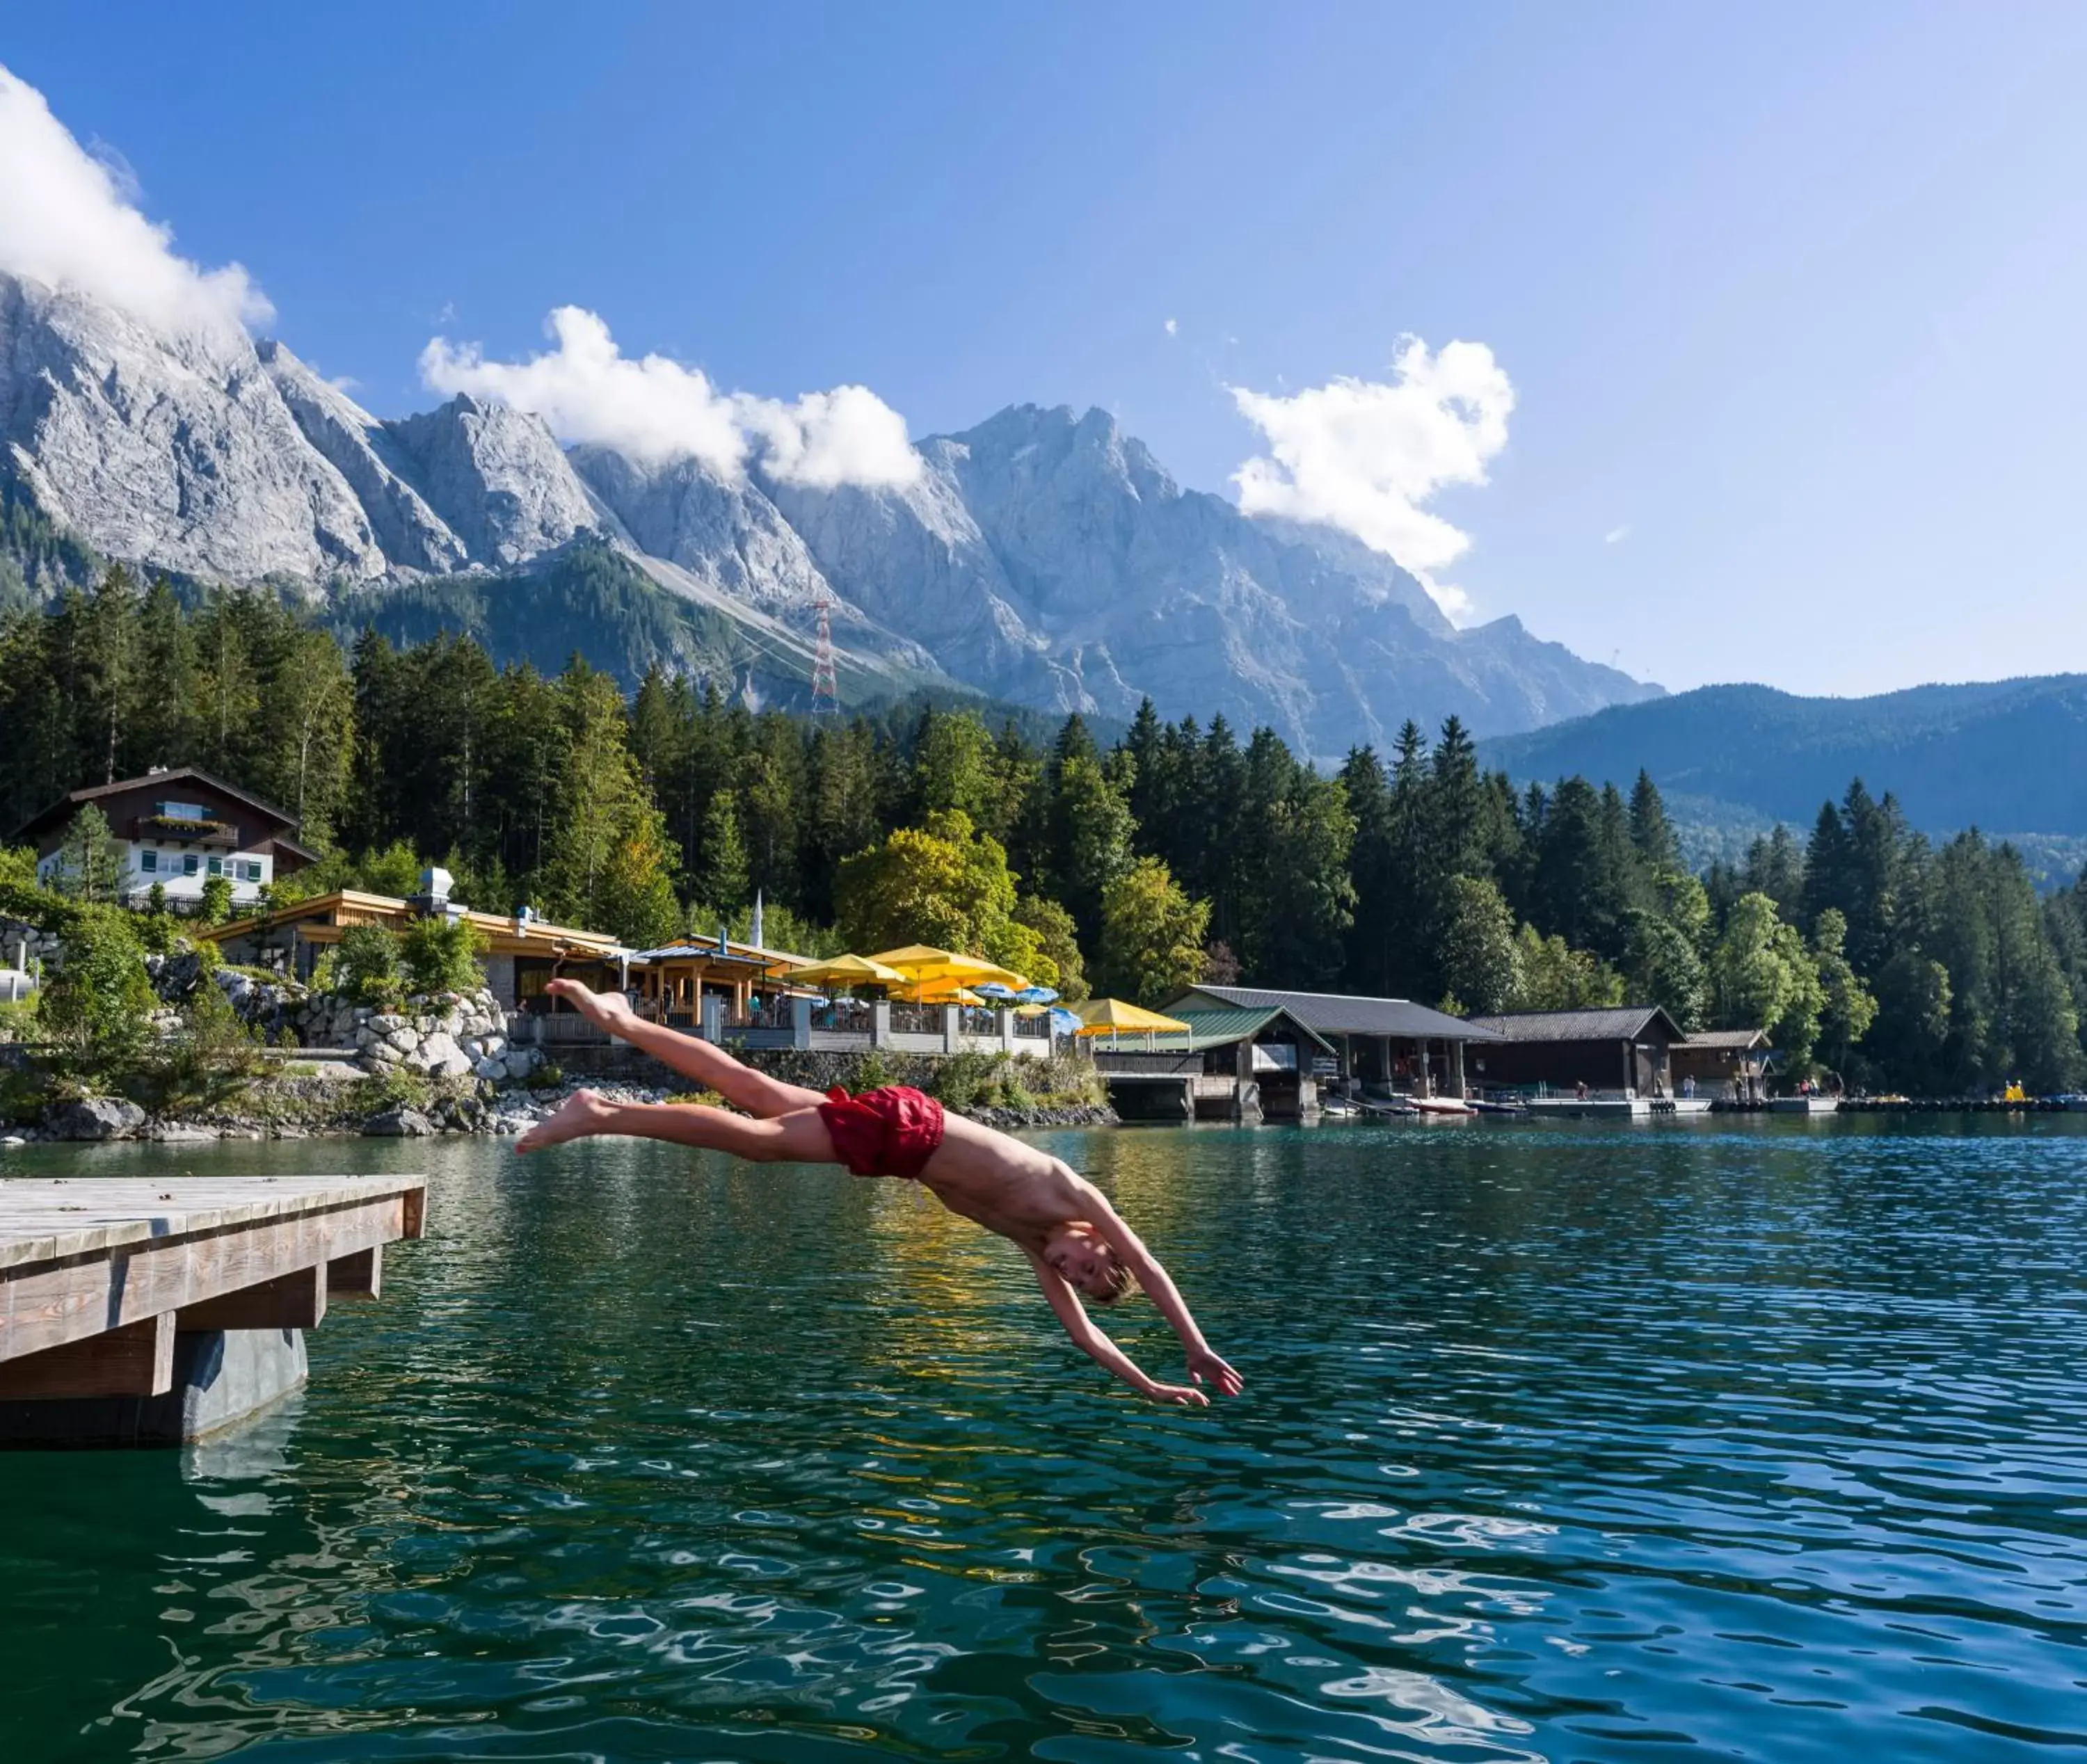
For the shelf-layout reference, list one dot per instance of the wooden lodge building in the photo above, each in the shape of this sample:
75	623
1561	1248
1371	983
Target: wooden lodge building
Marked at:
521	955
715	988
179	827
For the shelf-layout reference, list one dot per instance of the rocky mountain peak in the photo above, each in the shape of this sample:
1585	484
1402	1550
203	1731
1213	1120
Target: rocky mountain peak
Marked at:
1044	556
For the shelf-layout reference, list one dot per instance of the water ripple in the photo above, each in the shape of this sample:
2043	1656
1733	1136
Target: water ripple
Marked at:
1566	1445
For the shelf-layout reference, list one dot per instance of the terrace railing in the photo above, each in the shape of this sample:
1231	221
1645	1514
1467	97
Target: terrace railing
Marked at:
844	1016
916	1019
771	1014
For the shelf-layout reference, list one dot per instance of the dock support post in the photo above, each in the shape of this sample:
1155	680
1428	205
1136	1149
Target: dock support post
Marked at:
216	1377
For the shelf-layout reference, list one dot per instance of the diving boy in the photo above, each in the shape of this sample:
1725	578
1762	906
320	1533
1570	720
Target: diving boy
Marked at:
1072	1236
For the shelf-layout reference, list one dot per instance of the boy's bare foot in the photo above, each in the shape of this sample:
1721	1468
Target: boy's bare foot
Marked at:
583	1113
606	1010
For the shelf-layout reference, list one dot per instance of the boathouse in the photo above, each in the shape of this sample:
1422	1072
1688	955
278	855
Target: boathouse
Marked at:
1731	1065
179	827
1233	1064
1383	1045
1625	1051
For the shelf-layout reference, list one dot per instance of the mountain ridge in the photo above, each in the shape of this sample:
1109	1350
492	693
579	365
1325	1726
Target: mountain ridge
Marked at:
1043	556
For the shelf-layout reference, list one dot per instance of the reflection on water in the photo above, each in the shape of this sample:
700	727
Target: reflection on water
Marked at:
1565	1445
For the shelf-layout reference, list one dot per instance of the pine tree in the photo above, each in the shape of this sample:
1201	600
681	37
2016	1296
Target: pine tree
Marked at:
92	862
719	883
1651	833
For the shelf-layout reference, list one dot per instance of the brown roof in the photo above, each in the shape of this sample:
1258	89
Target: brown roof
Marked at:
63	808
1741	1040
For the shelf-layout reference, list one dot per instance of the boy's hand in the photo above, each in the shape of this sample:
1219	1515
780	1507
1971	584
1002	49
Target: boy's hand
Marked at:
1205	1367
1186	1396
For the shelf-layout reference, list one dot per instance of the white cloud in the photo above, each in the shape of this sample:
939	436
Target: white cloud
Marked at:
1172	328
1364	455
70	218
1616	535
656	409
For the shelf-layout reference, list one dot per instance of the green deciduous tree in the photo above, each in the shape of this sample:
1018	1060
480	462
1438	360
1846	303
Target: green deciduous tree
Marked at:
1763	977
942	884
1662	967
1848	1007
441	954
97	1009
1556	976
1481	959
1151	947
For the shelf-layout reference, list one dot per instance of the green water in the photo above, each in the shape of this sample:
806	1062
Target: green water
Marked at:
1595	1443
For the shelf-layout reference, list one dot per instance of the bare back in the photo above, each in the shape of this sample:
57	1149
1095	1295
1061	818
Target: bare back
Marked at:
1005	1185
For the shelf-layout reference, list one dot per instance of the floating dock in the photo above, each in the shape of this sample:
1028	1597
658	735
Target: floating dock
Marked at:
146	1311
1611	1107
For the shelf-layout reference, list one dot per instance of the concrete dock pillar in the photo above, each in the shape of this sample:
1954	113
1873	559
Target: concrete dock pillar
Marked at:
221	1377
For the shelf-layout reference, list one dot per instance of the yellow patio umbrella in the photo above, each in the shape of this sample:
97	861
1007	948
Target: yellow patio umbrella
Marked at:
923	965
848	971
1107	1016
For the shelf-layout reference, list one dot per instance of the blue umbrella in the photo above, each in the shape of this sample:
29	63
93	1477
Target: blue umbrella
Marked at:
1033	995
992	989
1064	1022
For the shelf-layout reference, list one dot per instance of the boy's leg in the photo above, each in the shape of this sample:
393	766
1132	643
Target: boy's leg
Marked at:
800	1137
712	1067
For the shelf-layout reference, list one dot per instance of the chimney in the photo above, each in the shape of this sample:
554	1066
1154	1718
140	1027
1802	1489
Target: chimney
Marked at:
433	901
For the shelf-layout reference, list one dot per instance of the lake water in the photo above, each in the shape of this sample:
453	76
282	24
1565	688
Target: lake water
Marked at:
1649	1444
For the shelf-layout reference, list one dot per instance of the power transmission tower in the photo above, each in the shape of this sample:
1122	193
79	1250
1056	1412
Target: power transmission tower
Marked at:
825	686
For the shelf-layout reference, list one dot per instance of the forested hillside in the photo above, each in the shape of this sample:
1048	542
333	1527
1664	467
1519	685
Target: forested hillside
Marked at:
2008	756
1179	851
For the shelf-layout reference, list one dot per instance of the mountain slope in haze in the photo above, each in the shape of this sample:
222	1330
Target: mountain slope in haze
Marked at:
1044	557
2008	756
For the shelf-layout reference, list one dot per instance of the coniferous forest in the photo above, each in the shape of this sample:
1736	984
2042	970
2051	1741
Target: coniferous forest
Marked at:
1181	851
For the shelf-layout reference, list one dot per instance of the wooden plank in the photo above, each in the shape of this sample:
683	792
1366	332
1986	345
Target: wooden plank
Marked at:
137	1359
297	1301
50	1304
42	1220
357	1278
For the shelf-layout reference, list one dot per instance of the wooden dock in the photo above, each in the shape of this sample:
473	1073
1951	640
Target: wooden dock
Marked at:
146	1309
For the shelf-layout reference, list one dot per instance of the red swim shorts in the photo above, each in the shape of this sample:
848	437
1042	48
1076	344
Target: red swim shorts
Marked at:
892	1131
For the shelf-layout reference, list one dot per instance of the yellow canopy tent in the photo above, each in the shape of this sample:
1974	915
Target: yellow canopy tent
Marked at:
847	971
1100	1016
1113	1017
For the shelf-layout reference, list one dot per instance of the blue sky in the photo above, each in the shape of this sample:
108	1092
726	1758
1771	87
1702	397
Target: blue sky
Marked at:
1789	297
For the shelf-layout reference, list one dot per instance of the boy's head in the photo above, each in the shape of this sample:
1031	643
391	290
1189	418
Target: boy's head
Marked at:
1087	1263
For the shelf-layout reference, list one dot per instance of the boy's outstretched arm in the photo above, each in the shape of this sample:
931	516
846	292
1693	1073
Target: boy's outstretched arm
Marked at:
1203	1364
1097	1346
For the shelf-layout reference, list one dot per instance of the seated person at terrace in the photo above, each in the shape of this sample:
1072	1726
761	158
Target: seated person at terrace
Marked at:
1072	1236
